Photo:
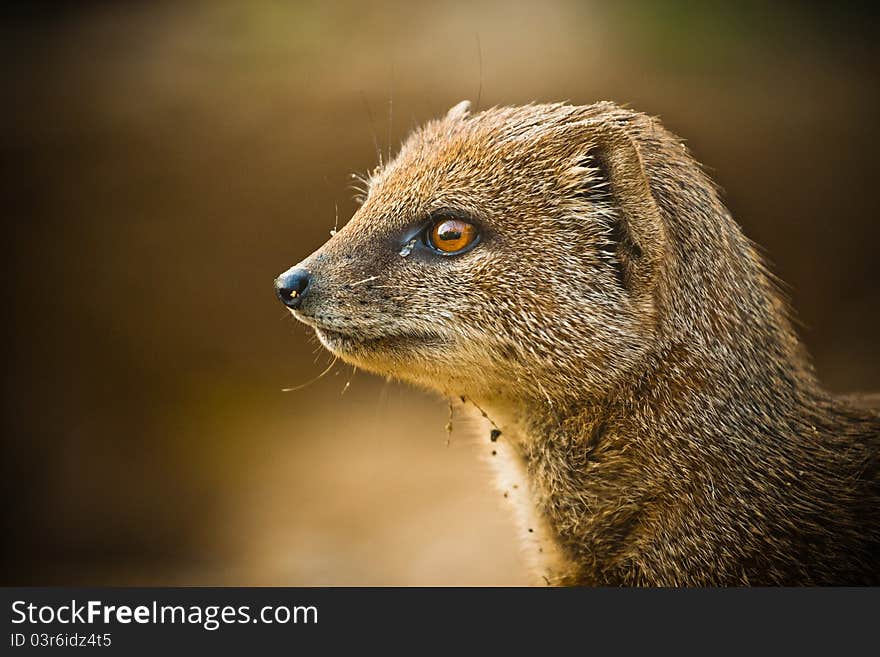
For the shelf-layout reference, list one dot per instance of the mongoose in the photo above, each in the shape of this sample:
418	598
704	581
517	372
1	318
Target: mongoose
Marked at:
572	276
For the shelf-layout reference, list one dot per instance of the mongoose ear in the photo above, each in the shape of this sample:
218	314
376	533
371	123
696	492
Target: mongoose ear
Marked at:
636	234
460	111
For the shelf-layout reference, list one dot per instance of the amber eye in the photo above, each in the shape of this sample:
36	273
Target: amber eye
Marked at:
451	235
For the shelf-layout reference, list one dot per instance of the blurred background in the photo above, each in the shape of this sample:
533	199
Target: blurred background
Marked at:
162	162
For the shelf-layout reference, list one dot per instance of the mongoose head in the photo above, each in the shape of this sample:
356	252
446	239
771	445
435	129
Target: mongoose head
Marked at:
496	251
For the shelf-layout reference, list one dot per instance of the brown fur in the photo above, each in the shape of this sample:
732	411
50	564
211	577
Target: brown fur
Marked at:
660	421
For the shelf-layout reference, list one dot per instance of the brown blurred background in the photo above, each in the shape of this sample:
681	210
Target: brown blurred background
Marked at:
162	162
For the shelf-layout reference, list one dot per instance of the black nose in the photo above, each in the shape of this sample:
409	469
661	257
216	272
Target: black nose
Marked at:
292	286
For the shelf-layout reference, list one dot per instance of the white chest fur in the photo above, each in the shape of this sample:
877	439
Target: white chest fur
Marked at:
544	556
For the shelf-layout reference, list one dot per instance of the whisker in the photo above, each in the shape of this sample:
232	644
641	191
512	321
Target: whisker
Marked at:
480	60
363	179
390	111
366	280
348	383
383	395
320	376
372	127
335	223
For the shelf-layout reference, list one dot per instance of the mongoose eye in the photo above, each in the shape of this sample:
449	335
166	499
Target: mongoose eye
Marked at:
451	235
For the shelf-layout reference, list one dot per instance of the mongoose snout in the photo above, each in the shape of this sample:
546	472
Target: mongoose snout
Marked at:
573	278
292	285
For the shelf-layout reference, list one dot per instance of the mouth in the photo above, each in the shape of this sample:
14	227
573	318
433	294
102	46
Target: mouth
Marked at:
342	343
360	341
